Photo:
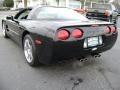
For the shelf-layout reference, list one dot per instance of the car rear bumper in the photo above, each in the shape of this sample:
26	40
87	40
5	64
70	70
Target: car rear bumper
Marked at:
59	50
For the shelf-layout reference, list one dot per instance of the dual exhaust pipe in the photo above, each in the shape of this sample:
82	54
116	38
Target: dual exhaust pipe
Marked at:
93	55
97	55
83	59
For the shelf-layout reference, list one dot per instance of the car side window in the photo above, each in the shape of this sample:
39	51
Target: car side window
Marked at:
23	14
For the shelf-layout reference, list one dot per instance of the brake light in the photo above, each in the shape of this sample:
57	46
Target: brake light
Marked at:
107	30
77	33
113	29
63	34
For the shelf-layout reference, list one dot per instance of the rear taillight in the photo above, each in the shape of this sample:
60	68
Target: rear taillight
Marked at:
63	34
113	29
77	33
107	30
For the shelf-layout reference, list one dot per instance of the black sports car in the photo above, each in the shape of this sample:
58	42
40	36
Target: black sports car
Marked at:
50	34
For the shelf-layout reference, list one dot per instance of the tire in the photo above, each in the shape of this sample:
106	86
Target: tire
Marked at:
30	51
5	31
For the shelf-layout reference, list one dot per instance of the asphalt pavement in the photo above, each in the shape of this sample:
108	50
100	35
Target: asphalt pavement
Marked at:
95	74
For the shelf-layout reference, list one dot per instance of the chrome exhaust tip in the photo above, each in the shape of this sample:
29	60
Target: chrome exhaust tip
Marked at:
83	59
96	55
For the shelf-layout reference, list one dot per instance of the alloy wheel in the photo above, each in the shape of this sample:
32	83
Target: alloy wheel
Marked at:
28	50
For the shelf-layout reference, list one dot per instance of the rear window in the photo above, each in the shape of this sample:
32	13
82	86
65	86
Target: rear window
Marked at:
51	13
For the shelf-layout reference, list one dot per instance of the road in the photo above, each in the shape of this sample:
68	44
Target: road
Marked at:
95	74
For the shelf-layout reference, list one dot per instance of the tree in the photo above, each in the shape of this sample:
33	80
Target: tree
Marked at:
8	3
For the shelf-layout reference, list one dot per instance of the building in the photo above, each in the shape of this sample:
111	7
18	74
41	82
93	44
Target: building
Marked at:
1	3
29	3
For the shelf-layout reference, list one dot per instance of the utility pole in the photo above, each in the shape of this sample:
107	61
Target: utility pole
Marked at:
58	2
44	2
67	3
25	3
104	1
84	4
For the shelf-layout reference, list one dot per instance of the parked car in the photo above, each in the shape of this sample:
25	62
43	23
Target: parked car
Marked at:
16	9
4	8
48	37
118	9
106	12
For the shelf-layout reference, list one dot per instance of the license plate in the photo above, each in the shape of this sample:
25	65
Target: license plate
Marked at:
92	41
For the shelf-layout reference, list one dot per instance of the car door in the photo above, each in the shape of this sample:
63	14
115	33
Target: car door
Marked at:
15	27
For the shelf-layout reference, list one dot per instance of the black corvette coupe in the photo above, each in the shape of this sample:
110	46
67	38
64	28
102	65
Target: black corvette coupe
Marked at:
50	34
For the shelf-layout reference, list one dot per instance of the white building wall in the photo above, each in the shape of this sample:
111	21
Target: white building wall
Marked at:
63	3
51	2
1	3
34	2
18	4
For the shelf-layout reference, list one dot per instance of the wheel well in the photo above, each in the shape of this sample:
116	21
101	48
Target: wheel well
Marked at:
23	35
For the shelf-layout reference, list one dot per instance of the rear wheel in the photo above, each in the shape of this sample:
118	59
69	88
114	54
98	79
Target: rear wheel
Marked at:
30	51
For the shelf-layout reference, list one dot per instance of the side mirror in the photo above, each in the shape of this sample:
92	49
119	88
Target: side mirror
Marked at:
10	17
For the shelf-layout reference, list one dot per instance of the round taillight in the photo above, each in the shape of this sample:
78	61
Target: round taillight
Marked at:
63	34
113	29
77	33
107	30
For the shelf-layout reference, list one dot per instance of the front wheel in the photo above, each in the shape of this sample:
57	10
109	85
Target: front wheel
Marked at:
5	31
30	51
